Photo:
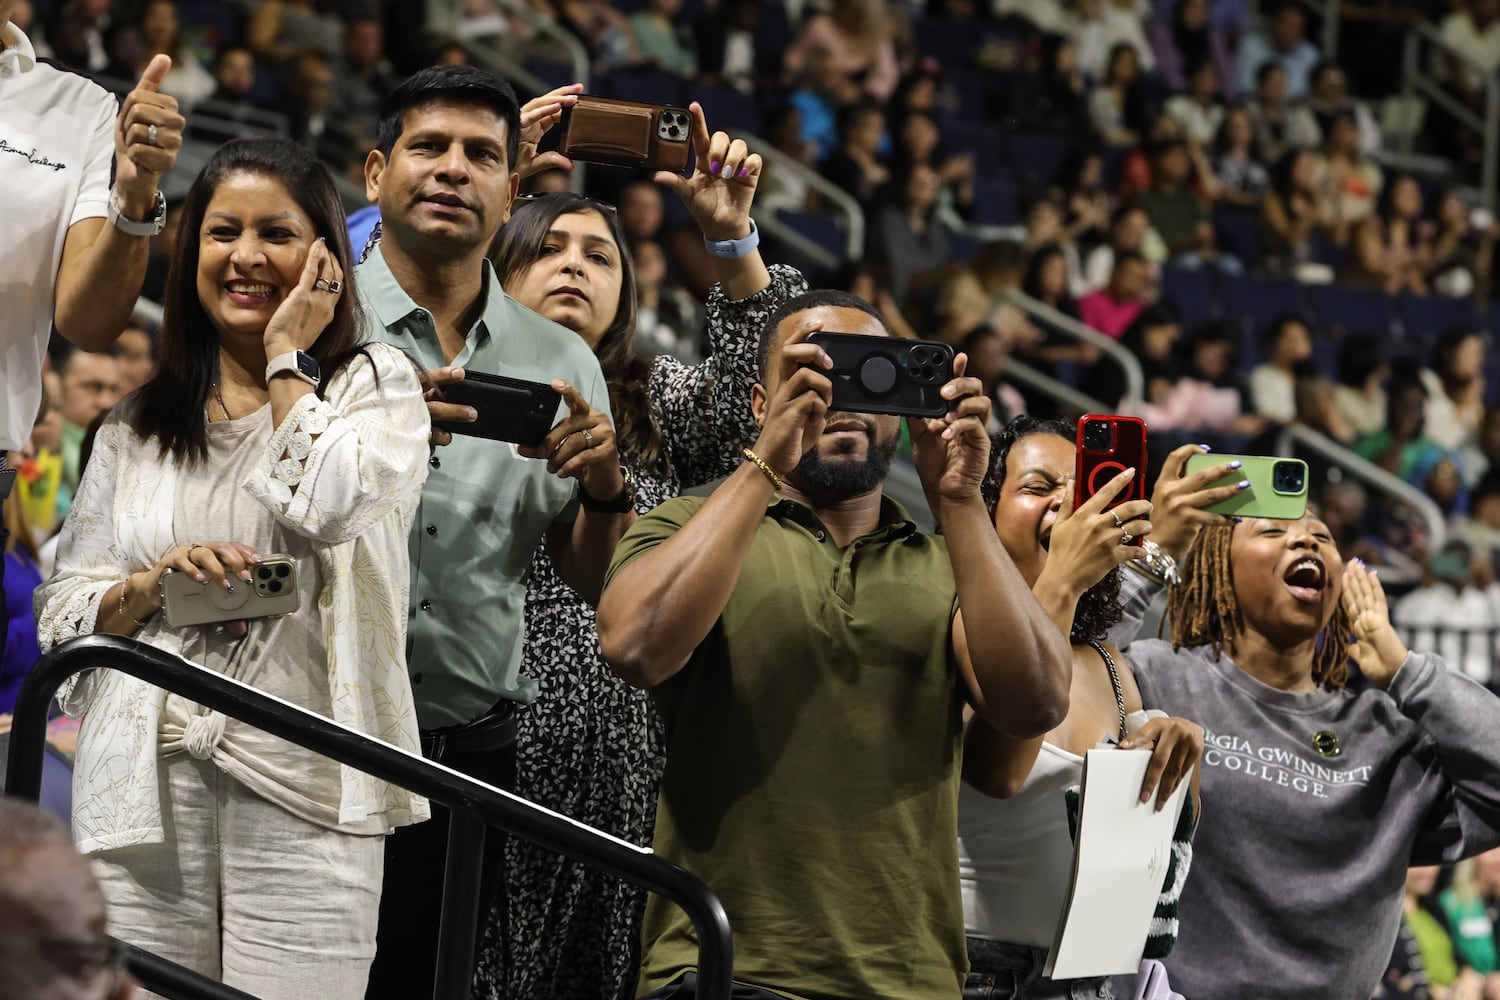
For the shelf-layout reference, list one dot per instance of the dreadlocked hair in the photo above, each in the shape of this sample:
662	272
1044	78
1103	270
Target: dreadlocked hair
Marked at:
1203	610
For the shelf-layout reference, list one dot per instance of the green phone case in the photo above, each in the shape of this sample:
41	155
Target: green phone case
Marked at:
1262	499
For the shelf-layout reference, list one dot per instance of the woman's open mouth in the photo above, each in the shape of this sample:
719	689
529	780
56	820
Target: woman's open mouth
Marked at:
1306	579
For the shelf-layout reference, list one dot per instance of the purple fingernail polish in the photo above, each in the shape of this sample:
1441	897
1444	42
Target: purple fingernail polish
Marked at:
744	172
1235	465
713	167
1205	447
1243	484
1237	520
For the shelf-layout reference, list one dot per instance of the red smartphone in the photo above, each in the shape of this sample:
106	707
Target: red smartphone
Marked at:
1108	444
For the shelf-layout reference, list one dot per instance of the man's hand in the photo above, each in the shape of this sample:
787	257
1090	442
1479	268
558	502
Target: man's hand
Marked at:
719	193
140	163
952	452
1178	503
440	412
1087	543
798	411
581	446
1376	648
538	115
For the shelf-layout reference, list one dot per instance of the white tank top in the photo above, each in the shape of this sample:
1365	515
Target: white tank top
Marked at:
1015	855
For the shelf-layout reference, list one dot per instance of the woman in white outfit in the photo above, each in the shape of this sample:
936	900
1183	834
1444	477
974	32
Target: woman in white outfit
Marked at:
267	429
1015	848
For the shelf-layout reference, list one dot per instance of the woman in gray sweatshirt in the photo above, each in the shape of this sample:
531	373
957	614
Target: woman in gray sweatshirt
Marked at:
1315	798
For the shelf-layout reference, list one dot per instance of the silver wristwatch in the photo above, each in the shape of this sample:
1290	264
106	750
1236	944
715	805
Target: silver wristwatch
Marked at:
149	227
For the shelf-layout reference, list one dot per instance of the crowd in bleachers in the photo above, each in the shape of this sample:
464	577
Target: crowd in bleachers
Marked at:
1194	179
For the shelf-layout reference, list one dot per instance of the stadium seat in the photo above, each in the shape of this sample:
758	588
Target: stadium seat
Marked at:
820	227
1035	158
1425	316
1238	233
1354	309
651	86
979	141
729	110
1191	293
1255	302
995	203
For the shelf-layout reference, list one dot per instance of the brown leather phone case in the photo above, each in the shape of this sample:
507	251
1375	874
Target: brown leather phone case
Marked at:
627	134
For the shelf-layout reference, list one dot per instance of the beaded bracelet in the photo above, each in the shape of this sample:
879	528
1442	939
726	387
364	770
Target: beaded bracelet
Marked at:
124	591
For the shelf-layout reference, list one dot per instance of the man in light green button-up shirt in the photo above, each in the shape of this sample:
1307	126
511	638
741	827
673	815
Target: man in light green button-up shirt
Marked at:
442	179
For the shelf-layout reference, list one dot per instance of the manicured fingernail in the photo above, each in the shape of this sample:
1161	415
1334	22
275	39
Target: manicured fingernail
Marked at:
1374	572
255	559
713	167
744	172
1205	447
229	586
245	575
1130	471
1236	520
728	172
471	413
1235	465
323	240
1243	484
1145	797
201	578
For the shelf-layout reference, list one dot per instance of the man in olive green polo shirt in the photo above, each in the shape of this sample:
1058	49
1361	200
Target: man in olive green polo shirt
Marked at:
811	654
442	178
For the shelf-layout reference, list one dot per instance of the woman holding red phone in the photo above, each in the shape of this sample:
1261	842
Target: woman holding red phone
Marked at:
1015	850
589	746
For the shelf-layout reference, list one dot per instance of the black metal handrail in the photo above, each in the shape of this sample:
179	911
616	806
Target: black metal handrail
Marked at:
470	800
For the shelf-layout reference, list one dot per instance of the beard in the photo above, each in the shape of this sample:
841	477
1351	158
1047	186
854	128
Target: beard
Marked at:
842	479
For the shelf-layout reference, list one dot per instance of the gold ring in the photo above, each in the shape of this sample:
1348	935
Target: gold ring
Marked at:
1126	538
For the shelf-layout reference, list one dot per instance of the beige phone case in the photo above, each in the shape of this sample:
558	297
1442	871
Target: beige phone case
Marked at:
271	592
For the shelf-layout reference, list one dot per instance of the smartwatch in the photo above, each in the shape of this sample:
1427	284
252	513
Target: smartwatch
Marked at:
148	227
297	364
733	249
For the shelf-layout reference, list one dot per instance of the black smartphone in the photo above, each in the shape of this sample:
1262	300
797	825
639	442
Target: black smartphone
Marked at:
628	134
1108	444
886	375
510	409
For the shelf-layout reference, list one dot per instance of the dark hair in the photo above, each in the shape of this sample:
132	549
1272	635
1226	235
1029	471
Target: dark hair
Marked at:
459	84
171	404
1031	283
1448	343
1323	66
519	245
1281	175
1266	69
1385	202
1360	356
1098	610
850	114
816	298
1280	325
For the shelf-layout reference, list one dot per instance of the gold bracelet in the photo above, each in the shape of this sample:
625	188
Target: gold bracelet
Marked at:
760	463
124	592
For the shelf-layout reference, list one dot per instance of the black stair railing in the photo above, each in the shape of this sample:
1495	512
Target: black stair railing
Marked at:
476	806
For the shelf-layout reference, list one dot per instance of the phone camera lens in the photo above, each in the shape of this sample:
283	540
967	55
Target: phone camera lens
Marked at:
1098	435
264	572
673	131
274	586
1288	477
283	571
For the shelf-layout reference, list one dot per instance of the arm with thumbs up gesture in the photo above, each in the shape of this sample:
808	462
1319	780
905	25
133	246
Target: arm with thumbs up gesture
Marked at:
102	266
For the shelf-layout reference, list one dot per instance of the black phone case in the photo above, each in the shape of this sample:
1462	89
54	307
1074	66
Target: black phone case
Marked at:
510	409
1098	467
886	375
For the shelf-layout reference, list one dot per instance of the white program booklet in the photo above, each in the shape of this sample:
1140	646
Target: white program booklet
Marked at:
1119	864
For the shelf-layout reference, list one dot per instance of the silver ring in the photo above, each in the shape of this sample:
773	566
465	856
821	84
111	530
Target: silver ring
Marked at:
588	439
1118	523
321	284
151	135
334	285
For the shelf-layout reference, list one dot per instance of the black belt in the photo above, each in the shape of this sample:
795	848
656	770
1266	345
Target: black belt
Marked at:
7	477
494	730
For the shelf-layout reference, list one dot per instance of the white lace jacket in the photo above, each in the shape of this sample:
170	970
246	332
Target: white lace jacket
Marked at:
346	472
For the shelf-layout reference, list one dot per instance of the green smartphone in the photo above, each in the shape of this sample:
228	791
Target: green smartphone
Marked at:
1278	486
